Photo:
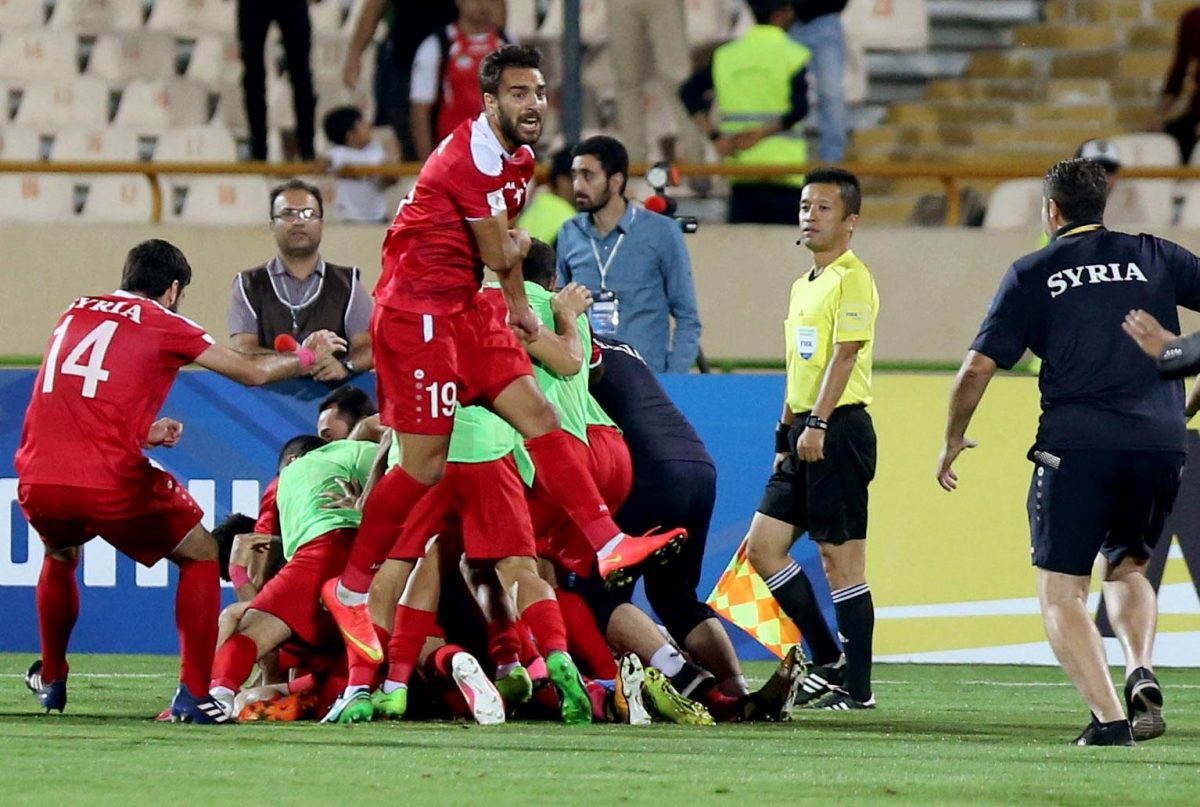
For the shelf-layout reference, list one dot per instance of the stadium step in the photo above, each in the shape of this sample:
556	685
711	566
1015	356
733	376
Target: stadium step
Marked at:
1067	36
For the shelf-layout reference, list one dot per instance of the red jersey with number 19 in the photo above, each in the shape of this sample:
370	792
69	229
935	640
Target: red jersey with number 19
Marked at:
111	362
431	262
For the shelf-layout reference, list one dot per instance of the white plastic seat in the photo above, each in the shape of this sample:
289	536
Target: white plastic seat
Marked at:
20	143
1140	203
16	14
326	17
36	197
217	62
891	25
118	198
106	144
211	143
194	16
1147	149
593	23
1015	203
709	22
521	22
38	53
96	16
120	58
225	200
329	55
231	112
155	106
1189	214
56	104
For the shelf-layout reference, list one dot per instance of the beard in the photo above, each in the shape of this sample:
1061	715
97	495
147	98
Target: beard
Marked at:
590	206
508	128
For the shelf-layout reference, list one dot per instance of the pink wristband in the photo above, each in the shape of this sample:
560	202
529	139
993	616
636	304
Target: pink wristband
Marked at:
238	575
306	356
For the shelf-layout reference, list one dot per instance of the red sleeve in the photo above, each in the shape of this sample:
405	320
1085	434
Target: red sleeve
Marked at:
596	357
476	195
182	339
268	511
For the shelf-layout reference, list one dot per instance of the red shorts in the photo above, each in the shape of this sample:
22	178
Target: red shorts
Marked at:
426	365
294	595
146	519
607	460
482	503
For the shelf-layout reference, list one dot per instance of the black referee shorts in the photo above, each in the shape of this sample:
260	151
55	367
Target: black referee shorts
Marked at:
1088	501
827	499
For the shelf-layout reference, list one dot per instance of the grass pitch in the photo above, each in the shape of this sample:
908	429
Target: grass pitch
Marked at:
946	734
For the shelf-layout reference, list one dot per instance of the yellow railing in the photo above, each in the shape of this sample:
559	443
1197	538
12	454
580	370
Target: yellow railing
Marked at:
950	176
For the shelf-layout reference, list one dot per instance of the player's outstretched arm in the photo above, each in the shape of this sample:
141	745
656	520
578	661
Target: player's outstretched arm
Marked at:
969	385
503	249
1176	356
267	368
164	432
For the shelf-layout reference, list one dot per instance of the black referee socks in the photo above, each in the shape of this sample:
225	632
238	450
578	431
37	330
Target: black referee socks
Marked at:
856	622
791	588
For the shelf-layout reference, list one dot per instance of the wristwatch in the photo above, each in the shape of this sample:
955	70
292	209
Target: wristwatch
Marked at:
349	365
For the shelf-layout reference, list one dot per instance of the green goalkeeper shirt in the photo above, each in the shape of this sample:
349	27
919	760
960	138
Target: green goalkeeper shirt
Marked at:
302	516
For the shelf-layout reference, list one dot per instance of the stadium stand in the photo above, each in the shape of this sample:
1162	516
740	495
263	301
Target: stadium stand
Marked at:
225	200
36	197
117	198
119	58
97	16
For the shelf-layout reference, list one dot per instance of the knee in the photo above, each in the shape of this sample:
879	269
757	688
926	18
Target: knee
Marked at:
1127	568
764	556
69	556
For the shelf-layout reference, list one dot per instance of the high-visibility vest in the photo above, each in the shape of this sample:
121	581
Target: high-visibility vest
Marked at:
753	81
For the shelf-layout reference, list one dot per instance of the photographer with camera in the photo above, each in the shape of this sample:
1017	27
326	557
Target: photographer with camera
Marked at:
631	259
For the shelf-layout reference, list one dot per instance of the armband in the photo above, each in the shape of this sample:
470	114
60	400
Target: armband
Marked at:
307	357
782	444
238	575
814	422
1180	358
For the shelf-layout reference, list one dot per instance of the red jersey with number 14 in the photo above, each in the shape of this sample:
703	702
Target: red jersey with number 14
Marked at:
431	262
111	362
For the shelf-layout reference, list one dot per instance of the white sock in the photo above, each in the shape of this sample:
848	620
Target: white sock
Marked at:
351	691
668	660
502	670
347	597
608	548
225	695
734	686
390	686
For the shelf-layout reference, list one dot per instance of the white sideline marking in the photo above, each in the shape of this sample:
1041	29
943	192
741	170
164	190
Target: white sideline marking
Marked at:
100	675
1019	684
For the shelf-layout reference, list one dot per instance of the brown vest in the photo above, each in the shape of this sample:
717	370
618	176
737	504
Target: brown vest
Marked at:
325	311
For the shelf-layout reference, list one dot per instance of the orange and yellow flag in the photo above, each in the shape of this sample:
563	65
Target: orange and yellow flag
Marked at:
742	597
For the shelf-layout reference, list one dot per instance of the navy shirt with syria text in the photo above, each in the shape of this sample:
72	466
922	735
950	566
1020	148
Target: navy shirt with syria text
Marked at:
1066	303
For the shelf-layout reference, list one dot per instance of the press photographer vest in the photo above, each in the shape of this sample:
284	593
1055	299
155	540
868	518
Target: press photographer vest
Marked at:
324	309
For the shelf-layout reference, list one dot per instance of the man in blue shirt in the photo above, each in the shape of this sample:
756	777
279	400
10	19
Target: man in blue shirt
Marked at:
632	260
1111	440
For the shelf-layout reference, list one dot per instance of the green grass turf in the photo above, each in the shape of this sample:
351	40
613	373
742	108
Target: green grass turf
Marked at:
944	734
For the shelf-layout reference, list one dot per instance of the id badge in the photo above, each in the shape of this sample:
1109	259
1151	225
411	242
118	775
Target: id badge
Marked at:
605	313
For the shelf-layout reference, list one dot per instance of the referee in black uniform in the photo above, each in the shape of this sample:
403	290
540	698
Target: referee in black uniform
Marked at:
1111	439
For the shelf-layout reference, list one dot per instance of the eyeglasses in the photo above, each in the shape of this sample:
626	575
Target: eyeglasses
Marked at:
298	214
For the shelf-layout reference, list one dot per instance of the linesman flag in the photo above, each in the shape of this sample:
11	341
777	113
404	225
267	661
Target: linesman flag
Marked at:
742	597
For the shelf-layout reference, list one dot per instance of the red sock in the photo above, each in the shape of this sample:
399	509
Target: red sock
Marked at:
408	637
438	663
588	646
362	672
545	621
387	507
504	642
572	486
197	606
235	659
301	683
723	708
58	607
529	650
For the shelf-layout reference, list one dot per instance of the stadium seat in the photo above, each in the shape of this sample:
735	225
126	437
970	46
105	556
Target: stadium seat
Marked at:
107	144
522	20
17	14
329	55
19	143
96	16
709	22
36	197
203	144
593	23
1189	214
152	107
1147	149
857	75
194	16
1015	203
225	200
217	62
326	17
38	54
52	105
120	58
1144	203
117	198
889	24
231	112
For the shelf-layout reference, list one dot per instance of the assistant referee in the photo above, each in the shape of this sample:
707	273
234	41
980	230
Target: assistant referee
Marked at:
825	447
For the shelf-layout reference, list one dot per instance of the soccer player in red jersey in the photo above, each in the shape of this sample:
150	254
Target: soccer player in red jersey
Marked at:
437	343
111	361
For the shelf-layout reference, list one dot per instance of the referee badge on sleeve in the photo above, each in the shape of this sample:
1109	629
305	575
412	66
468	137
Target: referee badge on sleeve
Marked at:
808	340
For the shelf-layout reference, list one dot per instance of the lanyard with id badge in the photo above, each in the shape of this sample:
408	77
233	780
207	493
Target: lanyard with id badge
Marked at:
605	313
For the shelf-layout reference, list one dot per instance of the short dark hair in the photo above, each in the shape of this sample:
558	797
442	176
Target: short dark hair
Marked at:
297	447
352	403
1079	187
152	266
609	152
541	264
297	185
847	183
560	163
338	124
491	70
234	524
763	10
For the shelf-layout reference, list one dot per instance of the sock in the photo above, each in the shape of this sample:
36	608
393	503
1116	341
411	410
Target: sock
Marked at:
723	708
225	695
362	672
386	508
301	683
599	697
608	548
545	621
537	669
529	649
856	622
668	660
504	644
572	487
197	608
57	607
438	663
233	663
791	588
390	686
347	597
408	637
693	681
587	644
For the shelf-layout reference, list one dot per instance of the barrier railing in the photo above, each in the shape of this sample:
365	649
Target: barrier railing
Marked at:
950	176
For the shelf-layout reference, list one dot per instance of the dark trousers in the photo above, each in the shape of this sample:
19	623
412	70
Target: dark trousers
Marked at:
755	203
1183	129
254	18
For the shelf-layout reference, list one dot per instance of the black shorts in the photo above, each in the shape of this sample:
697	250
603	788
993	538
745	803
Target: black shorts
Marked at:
1088	501
827	499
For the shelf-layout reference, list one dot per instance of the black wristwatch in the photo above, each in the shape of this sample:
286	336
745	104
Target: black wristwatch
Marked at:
349	365
814	422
